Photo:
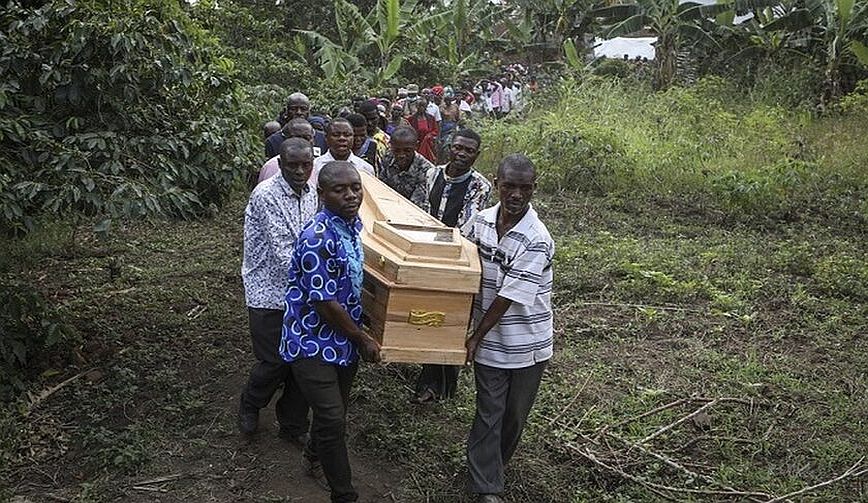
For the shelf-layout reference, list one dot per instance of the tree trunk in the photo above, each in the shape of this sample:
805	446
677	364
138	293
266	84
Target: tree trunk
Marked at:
665	53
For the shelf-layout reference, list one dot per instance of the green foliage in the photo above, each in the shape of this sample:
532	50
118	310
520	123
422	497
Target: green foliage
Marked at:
707	148
258	45
119	110
29	328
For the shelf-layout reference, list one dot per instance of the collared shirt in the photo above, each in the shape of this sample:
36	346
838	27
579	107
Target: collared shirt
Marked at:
320	271
518	267
359	163
411	182
455	200
273	219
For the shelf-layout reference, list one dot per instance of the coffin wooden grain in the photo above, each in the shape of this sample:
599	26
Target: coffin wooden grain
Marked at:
420	278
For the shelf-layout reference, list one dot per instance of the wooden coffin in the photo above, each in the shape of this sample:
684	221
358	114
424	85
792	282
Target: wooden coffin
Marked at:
420	278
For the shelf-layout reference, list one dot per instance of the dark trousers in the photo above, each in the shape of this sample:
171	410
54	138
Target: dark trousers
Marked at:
504	398
327	389
442	380
270	371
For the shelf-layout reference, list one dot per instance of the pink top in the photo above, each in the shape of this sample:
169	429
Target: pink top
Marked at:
269	169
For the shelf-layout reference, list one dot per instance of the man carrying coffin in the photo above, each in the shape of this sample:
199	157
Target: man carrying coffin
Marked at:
322	335
456	192
512	340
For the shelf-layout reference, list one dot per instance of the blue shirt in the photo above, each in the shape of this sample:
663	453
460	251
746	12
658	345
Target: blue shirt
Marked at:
322	269
272	143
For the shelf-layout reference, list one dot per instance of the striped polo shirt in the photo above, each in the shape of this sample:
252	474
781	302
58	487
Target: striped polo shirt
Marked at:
517	267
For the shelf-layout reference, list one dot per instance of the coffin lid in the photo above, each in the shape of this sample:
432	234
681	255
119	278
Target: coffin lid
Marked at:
404	245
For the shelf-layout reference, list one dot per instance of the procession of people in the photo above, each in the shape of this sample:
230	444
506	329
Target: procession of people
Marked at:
303	269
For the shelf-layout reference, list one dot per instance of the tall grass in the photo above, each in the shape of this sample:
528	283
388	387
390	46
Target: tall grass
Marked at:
707	148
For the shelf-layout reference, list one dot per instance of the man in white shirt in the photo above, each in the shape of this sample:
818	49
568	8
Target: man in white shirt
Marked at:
506	102
278	209
512	340
339	137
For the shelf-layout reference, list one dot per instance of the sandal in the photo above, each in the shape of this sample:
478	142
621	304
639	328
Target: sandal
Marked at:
425	396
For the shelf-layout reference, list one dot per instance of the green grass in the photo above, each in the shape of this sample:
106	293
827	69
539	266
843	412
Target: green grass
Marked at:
708	149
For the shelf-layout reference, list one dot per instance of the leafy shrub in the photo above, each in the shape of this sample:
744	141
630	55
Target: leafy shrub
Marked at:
613	67
708	148
118	110
857	101
28	327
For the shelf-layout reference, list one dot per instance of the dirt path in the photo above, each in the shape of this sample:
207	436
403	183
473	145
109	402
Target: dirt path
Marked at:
221	465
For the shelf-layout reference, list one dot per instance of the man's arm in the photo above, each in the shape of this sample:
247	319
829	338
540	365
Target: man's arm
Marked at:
491	317
331	312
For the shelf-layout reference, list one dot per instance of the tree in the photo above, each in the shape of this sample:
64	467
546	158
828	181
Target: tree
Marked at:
671	21
838	27
366	44
111	111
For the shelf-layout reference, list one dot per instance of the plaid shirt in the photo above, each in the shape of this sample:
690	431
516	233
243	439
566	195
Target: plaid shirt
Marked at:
410	183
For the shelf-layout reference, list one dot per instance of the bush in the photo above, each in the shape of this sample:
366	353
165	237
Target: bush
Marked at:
118	110
708	148
28	328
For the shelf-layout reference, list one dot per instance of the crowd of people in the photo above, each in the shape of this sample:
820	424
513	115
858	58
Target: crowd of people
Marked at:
435	112
303	268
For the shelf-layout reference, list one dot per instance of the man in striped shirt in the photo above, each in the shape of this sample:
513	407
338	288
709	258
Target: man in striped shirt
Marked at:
512	340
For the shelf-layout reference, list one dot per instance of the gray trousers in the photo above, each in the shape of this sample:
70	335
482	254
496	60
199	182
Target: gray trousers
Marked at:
503	400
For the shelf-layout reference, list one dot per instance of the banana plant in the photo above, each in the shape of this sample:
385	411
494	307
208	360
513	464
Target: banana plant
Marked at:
469	26
840	27
366	44
674	22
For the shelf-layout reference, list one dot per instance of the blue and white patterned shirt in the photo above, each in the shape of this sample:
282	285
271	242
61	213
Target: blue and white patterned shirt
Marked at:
273	219
325	258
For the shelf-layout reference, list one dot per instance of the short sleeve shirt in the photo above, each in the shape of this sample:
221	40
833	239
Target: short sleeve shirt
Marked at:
518	267
319	272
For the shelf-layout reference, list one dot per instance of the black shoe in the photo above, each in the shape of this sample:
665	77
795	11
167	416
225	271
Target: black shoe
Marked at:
299	441
248	420
313	469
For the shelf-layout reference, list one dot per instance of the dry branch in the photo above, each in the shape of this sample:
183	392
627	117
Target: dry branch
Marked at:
658	489
572	402
854	471
751	495
36	400
642	416
676	423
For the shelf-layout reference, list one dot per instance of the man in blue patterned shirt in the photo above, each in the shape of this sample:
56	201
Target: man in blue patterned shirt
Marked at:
322	335
278	209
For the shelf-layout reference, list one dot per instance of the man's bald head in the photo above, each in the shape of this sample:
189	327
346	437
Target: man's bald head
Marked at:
270	128
291	145
516	162
515	181
340	189
296	162
298	105
405	132
298	128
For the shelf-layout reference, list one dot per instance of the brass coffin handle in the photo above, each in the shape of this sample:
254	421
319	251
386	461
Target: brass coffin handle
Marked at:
427	318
